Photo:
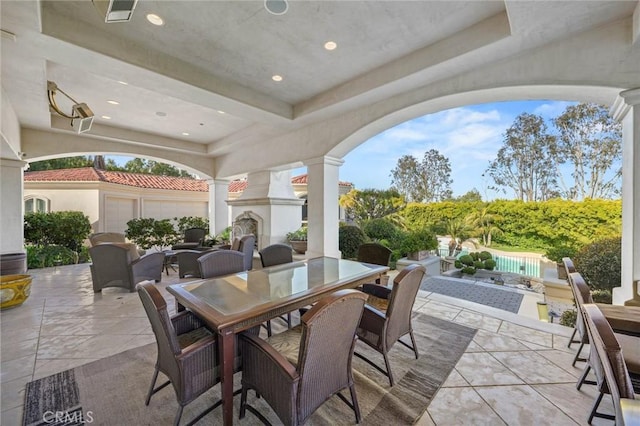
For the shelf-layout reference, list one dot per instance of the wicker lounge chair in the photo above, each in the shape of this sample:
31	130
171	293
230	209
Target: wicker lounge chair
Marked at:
118	265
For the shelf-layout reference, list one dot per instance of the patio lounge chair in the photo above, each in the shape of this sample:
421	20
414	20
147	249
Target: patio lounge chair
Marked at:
193	238
316	367
118	265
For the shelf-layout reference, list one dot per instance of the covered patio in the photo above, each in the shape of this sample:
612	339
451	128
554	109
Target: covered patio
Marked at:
228	89
516	370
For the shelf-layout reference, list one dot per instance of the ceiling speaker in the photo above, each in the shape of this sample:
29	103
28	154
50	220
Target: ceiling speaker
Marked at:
115	10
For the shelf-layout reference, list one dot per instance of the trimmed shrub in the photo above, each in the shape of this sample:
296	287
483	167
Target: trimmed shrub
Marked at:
466	259
602	296
600	263
568	318
67	228
149	232
186	222
48	256
349	239
415	241
380	229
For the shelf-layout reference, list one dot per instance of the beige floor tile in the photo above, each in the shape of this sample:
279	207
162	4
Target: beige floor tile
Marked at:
532	367
16	368
14	334
425	420
578	405
13	392
47	367
13	350
564	360
76	327
454	380
482	369
523	406
440	310
461	406
478	321
12	416
474	347
527	334
52	347
497	342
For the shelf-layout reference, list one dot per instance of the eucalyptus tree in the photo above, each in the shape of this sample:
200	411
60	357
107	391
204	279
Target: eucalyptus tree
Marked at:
526	161
591	141
423	181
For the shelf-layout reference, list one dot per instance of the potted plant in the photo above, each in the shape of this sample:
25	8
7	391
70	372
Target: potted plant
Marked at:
298	240
556	254
417	244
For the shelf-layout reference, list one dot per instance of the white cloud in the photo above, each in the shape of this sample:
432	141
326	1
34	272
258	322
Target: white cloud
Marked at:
552	109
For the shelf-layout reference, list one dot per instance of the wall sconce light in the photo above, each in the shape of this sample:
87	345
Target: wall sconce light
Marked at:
81	115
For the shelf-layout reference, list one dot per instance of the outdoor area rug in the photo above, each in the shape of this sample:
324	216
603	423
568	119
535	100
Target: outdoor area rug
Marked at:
504	299
112	391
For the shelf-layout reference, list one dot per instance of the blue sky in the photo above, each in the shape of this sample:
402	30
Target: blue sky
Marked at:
469	137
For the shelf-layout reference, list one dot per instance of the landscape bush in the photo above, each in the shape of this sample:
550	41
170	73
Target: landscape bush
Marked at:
568	318
55	238
472	262
419	240
381	230
148	232
600	263
349	239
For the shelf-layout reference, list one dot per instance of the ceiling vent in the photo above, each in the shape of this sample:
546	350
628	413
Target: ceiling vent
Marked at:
115	10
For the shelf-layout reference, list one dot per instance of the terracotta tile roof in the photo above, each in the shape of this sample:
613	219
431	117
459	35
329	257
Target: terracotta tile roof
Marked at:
240	185
89	174
303	180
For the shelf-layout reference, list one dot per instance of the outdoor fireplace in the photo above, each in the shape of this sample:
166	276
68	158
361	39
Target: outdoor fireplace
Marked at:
246	224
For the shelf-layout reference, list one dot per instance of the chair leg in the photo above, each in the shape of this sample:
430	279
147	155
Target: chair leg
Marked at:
176	422
583	378
153	383
354	401
386	363
243	402
413	342
577	357
575	330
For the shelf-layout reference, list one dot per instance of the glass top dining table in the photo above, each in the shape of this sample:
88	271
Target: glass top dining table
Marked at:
233	303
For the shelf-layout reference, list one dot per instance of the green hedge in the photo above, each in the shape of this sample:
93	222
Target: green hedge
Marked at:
67	229
531	225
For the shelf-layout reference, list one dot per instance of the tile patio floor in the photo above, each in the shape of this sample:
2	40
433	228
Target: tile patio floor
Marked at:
517	370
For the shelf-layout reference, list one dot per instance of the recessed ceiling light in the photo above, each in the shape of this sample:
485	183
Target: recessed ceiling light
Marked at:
221	112
185	133
161	114
276	7
123	82
113	102
106	117
330	45
277	77
155	19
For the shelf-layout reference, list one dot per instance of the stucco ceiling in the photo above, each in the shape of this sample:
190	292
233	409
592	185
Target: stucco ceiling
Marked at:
207	71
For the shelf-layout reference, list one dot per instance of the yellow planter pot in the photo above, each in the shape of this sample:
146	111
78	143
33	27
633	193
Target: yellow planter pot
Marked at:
14	290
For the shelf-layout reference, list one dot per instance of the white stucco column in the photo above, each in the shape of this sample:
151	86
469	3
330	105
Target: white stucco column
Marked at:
626	109
218	208
11	206
322	210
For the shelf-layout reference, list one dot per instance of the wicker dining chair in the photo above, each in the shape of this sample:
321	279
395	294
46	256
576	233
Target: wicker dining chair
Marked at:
376	254
221	262
276	254
607	360
381	330
186	352
317	367
193	238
